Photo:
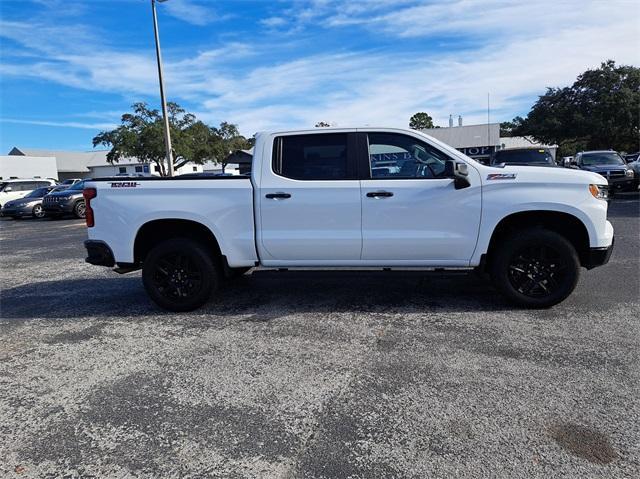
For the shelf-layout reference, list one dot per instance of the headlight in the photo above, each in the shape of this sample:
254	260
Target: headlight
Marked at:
599	191
629	173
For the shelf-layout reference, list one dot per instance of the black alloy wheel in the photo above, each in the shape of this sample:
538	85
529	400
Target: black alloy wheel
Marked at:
535	267
537	271
179	274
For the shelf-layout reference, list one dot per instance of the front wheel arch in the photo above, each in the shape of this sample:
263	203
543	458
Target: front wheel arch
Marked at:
565	224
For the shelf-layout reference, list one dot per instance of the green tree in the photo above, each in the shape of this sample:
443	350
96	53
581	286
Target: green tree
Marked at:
508	127
599	111
141	136
421	121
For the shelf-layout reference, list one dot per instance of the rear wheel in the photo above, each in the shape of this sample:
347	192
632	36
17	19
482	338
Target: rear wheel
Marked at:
535	268
80	210
37	211
180	274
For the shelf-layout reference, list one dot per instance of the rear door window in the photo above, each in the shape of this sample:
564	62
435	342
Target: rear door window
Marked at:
313	157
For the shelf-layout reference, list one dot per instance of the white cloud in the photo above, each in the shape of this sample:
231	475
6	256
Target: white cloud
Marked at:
61	124
274	22
189	11
513	50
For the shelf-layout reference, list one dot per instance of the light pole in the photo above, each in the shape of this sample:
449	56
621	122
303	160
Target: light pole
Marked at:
165	117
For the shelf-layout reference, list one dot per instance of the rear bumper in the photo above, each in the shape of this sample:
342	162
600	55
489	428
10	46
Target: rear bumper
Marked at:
99	253
599	256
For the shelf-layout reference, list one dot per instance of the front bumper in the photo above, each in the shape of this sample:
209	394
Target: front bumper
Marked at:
99	253
18	211
623	184
599	256
60	208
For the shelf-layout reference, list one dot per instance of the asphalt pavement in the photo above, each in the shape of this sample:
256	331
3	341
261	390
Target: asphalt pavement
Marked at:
329	374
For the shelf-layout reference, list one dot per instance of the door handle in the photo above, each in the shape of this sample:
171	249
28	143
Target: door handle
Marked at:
379	194
274	196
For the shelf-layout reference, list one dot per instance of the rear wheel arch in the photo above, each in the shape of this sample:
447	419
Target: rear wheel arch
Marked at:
155	232
565	224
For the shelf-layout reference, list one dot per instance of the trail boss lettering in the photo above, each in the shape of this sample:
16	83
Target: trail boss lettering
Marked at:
124	184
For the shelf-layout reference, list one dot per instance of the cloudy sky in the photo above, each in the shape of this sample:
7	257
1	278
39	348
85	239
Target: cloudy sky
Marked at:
69	69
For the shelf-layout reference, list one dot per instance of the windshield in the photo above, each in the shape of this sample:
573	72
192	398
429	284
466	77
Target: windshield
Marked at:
78	186
39	193
604	158
523	156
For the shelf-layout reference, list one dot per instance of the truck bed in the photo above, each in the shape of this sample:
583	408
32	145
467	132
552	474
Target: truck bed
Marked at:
224	204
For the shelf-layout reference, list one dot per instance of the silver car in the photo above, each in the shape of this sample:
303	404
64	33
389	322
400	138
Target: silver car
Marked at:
27	206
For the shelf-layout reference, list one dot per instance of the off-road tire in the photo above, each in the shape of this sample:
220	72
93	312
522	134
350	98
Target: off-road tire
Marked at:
180	274
527	263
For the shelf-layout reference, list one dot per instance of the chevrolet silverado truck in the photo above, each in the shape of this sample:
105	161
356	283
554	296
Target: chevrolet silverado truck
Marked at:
361	198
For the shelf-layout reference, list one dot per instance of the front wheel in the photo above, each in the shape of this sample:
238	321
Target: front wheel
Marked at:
535	268
179	274
37	211
80	209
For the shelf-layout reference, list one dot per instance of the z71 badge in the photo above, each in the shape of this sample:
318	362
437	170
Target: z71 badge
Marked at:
501	176
124	184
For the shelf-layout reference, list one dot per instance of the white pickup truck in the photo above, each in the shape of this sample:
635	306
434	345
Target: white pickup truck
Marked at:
361	198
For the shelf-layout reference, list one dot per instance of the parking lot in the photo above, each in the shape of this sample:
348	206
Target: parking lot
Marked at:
313	374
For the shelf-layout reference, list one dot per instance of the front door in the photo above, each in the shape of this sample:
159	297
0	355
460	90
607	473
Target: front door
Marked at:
310	201
411	213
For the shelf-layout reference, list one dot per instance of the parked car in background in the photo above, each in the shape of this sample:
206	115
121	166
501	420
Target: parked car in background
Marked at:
534	156
14	189
66	202
71	181
635	166
631	157
27	206
609	164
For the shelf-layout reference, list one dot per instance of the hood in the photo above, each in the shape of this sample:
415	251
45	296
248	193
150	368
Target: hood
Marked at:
541	174
66	193
22	201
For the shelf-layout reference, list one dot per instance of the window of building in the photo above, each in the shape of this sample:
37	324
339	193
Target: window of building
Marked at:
311	157
195	168
122	169
398	156
139	169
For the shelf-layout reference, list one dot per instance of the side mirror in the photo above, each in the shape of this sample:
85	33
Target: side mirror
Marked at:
8	189
458	171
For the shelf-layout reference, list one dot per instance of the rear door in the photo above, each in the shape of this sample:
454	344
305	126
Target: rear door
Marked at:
411	213
310	207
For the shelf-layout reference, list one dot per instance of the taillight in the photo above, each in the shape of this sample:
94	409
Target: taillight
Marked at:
89	194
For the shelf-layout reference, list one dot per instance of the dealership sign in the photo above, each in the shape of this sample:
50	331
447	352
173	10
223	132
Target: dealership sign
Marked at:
478	151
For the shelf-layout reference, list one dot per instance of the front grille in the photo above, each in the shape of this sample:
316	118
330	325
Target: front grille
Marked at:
613	174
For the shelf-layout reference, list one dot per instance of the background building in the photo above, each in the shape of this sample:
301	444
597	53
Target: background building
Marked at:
35	167
481	141
476	141
65	164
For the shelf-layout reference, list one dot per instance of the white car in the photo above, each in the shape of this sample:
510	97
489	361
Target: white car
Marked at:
14	189
312	201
